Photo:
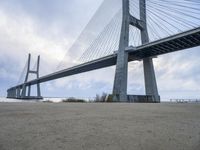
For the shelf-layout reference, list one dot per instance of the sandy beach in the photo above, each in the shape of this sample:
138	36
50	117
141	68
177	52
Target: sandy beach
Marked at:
59	126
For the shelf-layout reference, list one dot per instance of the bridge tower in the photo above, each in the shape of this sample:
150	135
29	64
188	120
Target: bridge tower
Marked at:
120	82
24	94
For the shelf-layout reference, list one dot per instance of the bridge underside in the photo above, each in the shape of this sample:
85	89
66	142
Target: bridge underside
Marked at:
188	39
178	42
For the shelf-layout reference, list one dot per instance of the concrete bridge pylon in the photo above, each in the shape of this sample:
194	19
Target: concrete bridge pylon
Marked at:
120	81
24	94
24	91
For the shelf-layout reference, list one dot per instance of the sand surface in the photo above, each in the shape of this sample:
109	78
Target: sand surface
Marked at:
45	126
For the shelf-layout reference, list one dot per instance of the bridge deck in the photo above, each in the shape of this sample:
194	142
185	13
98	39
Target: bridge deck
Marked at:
185	40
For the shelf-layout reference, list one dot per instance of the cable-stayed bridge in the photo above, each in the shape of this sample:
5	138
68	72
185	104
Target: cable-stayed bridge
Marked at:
135	30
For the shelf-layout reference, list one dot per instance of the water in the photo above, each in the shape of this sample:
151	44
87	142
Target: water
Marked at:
3	99
50	99
8	100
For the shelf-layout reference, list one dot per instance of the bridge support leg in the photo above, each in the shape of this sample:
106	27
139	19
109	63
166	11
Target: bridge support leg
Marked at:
23	94
29	90
150	80
18	92
15	93
11	93
37	72
8	93
149	73
38	90
120	82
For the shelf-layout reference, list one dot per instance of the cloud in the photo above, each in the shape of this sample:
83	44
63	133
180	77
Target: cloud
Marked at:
21	35
178	72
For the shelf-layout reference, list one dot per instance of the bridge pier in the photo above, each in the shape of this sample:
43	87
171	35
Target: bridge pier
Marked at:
120	82
12	93
150	80
29	90
23	93
149	72
8	93
38	91
18	92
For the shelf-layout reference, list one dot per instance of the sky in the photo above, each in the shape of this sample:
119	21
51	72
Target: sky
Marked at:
49	28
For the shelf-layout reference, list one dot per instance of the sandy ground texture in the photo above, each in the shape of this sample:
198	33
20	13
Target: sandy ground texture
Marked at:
45	126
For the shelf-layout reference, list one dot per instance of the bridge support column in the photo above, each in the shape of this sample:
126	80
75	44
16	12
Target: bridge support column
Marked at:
120	82
149	72
23	93
11	93
15	93
8	93
150	80
18	92
38	90
29	90
37	73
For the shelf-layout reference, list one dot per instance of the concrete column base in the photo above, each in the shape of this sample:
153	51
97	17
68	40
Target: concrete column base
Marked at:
134	99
